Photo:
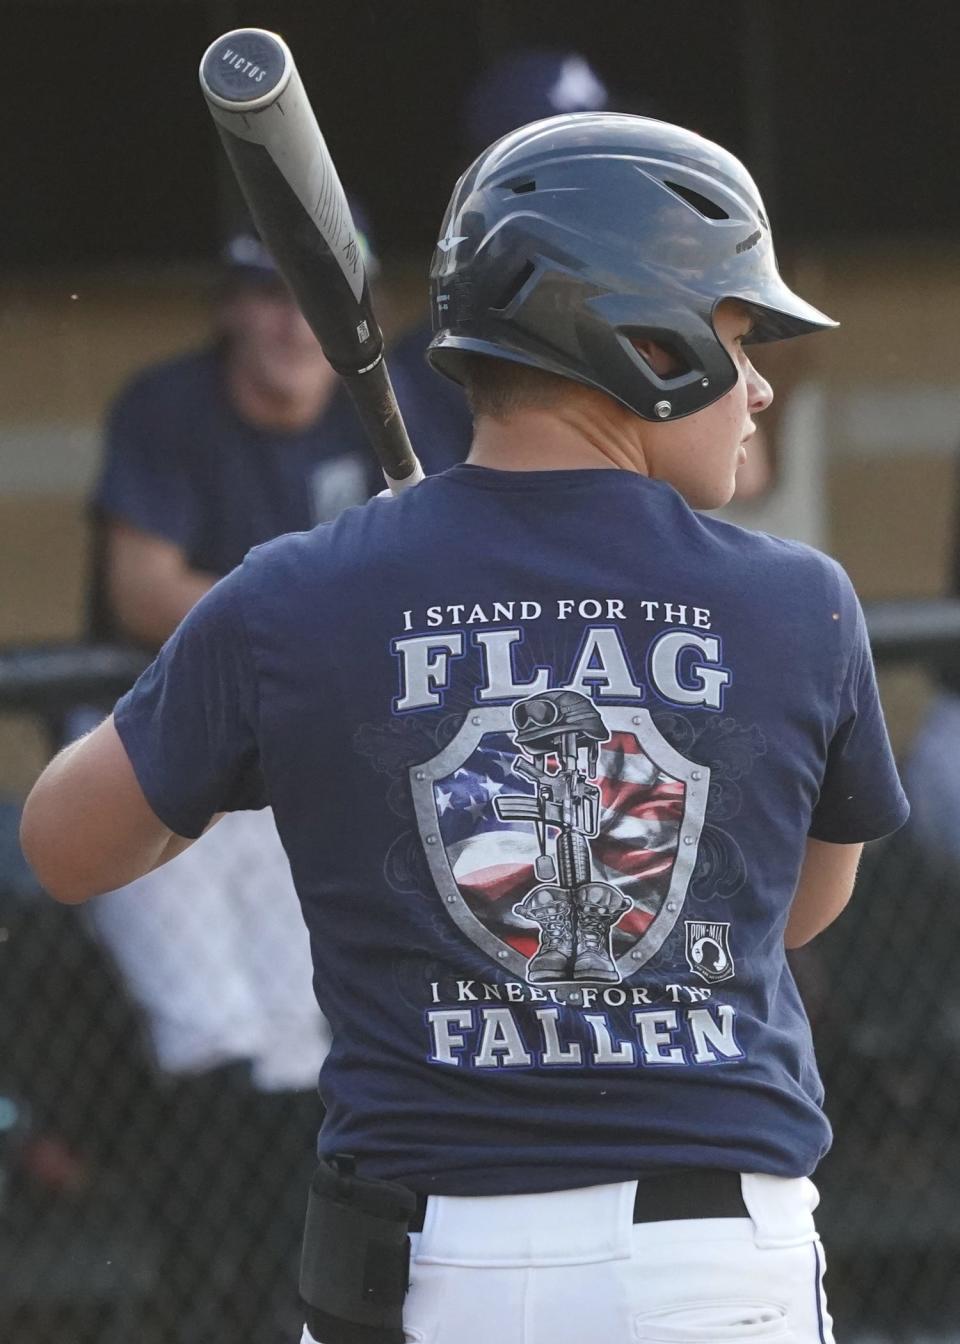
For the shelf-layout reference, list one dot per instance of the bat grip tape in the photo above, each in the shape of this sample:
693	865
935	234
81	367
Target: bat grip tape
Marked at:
355	1266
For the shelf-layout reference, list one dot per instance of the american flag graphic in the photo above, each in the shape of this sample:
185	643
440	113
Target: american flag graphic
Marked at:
492	861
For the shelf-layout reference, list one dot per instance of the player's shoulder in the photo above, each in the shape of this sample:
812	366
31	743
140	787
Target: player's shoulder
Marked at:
271	578
783	555
286	563
776	567
362	538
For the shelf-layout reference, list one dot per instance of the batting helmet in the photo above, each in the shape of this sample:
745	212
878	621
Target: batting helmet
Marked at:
572	237
541	720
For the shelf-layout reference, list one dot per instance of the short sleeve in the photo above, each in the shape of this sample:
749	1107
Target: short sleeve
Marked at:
189	725
860	796
143	479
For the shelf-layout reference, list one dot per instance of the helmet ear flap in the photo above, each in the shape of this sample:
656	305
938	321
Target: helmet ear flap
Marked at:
608	329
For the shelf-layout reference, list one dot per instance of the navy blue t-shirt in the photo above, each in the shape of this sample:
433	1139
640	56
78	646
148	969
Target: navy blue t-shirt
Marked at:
182	464
544	750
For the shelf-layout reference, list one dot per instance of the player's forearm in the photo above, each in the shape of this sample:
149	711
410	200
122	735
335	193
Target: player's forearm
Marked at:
806	922
823	891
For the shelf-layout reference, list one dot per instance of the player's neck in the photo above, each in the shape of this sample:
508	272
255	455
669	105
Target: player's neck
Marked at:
569	437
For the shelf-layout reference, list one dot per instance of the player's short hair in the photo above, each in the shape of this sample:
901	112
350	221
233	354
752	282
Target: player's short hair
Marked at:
498	388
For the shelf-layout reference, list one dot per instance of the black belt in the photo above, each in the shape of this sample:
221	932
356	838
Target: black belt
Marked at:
665	1196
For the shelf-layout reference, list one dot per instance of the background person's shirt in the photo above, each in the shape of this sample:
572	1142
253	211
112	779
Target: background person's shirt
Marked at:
181	464
362	677
434	408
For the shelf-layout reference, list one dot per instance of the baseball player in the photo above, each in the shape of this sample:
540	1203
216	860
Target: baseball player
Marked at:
562	767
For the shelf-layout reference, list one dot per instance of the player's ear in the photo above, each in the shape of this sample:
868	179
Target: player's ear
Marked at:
664	363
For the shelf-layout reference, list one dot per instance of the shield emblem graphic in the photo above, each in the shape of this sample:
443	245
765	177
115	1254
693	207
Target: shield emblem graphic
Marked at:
565	858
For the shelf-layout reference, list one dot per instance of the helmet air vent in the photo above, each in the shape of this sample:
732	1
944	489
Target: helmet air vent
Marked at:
513	287
521	188
702	204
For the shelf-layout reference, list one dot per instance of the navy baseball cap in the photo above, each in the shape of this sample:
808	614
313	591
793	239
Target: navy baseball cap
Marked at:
526	85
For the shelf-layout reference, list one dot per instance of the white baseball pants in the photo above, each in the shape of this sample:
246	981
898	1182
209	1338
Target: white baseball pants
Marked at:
571	1267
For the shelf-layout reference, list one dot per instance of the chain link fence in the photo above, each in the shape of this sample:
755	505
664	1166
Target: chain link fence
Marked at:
136	1204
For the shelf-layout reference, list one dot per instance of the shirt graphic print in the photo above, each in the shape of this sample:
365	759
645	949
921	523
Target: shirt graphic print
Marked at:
562	836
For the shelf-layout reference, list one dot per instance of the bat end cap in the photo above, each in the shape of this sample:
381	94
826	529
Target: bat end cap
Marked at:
245	69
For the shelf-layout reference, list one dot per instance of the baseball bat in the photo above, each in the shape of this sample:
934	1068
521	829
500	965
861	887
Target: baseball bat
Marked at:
284	169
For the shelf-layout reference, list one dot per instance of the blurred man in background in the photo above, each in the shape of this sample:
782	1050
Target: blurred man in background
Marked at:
220	450
206	456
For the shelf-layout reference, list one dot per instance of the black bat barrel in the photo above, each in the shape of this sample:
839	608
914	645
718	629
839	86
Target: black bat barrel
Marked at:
280	160
294	194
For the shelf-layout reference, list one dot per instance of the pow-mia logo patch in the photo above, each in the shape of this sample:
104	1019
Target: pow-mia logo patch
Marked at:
708	951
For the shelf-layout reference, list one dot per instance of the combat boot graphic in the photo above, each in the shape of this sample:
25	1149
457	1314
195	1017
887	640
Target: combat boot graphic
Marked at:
559	733
549	907
598	907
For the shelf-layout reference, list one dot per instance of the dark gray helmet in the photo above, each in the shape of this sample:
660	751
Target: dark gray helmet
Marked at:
571	236
541	720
